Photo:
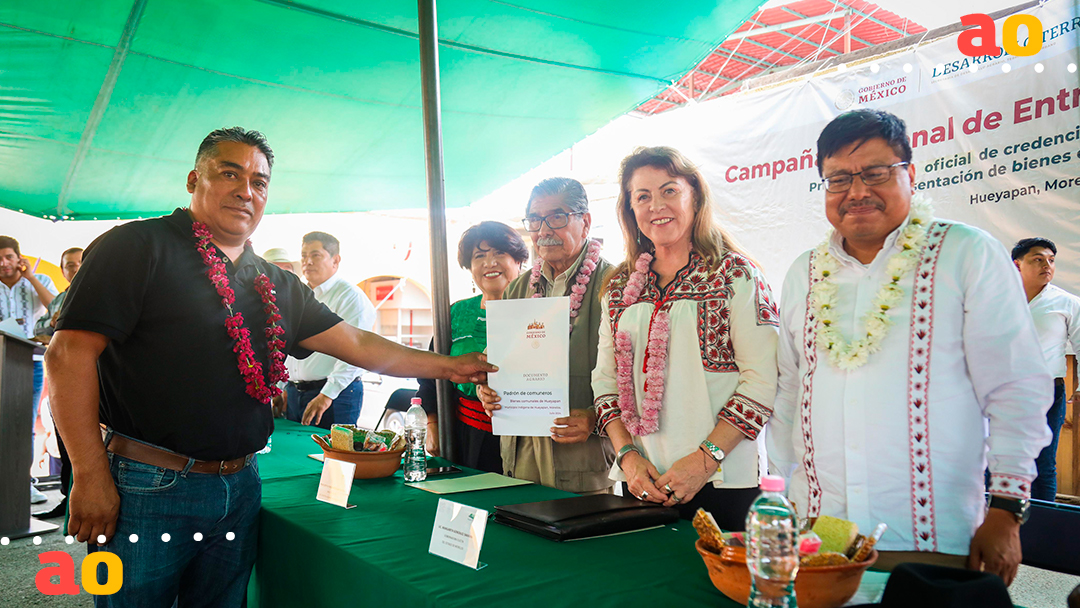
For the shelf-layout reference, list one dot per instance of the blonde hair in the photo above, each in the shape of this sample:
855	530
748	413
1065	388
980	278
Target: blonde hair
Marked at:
708	238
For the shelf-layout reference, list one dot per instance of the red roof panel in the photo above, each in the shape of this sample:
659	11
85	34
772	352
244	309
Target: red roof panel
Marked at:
737	60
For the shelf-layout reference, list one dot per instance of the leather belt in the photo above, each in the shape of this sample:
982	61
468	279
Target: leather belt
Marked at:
310	385
157	457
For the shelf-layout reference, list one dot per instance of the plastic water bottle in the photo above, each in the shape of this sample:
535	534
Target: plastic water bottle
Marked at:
269	446
415	432
772	547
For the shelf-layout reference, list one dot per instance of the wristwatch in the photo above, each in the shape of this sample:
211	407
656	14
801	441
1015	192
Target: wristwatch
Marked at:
712	451
1019	507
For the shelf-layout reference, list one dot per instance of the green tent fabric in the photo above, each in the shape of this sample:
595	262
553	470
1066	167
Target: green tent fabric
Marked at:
103	104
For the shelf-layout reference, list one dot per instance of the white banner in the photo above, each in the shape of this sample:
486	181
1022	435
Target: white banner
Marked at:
997	147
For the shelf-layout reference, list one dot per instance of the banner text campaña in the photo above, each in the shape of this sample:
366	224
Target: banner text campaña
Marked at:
1023	110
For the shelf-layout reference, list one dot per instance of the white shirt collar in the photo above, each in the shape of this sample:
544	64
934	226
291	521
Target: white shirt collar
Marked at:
326	286
23	282
836	247
548	272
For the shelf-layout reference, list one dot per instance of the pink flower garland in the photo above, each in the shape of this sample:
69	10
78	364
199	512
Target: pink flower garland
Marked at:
581	282
250	368
636	283
656	351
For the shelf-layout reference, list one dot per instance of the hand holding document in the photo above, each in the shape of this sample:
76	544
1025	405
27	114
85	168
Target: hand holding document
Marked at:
530	342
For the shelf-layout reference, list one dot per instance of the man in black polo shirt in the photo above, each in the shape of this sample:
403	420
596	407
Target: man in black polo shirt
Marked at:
173	337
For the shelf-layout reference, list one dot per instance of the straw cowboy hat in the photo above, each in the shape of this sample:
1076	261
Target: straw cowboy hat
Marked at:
279	255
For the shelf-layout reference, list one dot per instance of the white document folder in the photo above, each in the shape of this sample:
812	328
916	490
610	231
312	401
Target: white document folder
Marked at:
530	342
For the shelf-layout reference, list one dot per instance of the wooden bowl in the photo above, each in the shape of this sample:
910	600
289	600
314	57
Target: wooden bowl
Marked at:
369	465
819	587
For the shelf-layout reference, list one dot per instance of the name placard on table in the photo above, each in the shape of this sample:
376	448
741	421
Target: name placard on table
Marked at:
336	482
458	533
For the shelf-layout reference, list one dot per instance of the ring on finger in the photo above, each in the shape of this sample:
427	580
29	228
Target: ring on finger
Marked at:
667	488
644	494
676	498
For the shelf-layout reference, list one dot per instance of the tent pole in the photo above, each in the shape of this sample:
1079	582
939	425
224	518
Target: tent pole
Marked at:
440	284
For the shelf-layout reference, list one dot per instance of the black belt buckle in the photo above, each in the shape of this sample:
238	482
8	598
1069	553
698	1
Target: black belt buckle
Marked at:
309	385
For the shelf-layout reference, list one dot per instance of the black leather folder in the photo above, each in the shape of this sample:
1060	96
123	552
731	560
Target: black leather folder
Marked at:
584	516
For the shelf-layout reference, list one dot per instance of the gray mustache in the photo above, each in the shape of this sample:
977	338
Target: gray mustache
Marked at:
549	241
875	204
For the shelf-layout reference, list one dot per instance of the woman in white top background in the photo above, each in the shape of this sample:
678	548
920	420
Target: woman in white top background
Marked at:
686	371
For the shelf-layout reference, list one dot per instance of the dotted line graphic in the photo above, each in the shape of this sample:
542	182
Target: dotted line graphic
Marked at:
134	538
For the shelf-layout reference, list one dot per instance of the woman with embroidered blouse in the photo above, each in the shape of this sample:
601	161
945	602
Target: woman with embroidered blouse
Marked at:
686	370
493	252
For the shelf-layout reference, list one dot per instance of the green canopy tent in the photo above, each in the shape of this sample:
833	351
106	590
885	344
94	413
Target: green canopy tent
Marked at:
104	103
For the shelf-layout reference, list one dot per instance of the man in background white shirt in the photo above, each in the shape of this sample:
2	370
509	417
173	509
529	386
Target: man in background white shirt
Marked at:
24	297
1056	313
323	390
903	338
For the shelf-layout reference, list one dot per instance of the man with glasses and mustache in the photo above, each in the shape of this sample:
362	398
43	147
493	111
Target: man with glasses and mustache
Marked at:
907	363
569	264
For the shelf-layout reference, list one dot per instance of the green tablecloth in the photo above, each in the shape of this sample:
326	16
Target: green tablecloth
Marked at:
316	554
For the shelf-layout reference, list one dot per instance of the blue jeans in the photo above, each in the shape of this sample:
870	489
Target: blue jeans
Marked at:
1045	485
343	410
213	571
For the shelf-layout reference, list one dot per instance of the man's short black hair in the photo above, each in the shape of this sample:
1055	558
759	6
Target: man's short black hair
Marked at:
1023	246
497	235
70	251
239	135
7	242
858	126
329	242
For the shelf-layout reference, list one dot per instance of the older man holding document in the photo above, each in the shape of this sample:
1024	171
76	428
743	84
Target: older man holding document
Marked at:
569	264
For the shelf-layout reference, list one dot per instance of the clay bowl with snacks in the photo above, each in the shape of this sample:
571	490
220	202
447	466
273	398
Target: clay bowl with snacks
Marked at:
369	465
815	587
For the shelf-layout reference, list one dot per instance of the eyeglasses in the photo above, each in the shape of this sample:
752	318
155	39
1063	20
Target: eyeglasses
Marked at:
871	176
554	221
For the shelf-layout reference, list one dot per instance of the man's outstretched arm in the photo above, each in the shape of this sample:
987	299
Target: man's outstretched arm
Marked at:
375	353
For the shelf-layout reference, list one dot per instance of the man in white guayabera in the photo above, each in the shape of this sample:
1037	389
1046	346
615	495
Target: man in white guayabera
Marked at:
908	362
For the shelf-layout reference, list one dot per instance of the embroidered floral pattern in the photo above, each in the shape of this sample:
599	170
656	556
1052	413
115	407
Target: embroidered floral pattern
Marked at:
745	414
607	410
713	290
767	311
809	345
922	329
1010	485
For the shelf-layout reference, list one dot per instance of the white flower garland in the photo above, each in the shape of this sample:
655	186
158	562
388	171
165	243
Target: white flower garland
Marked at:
853	355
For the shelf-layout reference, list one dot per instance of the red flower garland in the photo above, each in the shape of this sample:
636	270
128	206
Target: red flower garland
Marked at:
250	368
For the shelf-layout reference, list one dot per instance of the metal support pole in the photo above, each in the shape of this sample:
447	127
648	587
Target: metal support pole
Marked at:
440	284
847	32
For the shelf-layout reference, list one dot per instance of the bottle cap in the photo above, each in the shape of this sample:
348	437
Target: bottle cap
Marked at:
772	483
415	401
